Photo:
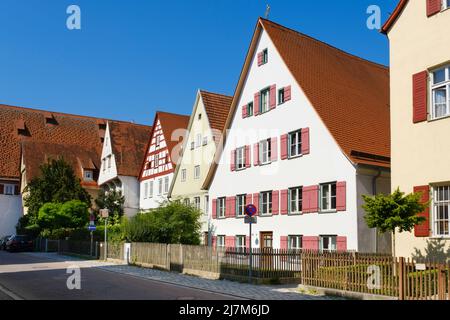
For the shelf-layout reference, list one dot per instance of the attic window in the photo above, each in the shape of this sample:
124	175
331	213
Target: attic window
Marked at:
88	175
21	128
50	119
199	116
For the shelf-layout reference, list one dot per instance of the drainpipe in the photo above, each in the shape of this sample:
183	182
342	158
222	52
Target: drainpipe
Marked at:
374	192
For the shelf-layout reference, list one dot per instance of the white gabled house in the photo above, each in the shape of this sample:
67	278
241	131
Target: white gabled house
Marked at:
306	137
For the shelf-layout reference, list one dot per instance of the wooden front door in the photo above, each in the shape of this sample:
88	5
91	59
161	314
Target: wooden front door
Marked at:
266	250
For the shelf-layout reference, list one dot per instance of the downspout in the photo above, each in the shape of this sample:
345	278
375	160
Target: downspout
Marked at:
374	192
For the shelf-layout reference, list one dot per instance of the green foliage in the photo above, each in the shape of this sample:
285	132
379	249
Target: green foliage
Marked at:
394	211
56	184
113	201
171	223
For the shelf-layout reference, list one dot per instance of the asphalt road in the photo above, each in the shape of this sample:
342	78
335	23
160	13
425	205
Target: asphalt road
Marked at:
31	278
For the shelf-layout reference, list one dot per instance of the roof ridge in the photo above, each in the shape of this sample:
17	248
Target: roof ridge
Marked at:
350	55
215	93
171	113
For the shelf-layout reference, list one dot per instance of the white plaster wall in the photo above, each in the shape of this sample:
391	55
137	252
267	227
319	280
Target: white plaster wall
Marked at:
130	190
326	163
156	200
10	213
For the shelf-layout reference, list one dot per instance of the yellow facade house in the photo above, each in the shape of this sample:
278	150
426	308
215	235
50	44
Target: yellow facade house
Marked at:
204	130
420	116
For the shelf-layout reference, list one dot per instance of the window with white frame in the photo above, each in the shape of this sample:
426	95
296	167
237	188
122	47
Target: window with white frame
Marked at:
109	161
183	175
328	243
441	208
446	4
8	189
240	158
160	186
440	92
187	202
265	56
192	145
158	141
198	140
220	241
296	200
266	203
265	151
221	207
264	101
104	164
205	141
166	185
328	197
295	144
240	205
156	160
250	109
240	243
294	242
150	192
88	175
145	190
197	202
206	204
281	96
197	172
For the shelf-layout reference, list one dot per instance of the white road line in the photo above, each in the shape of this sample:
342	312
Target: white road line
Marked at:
10	294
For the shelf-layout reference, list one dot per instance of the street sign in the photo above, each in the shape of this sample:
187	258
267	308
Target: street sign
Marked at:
248	220
104	213
92	228
250	210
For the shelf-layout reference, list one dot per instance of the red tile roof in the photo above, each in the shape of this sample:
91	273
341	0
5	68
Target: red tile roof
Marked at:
217	107
394	16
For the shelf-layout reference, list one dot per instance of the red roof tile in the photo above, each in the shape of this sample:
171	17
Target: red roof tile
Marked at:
217	107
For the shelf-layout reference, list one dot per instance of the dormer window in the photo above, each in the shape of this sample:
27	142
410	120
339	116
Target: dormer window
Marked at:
21	128
88	175
50	118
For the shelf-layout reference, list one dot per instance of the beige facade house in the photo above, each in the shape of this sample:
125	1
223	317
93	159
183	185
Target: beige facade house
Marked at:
420	115
205	127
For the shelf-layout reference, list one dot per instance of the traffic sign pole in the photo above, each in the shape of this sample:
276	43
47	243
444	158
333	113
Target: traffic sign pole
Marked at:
250	211
250	255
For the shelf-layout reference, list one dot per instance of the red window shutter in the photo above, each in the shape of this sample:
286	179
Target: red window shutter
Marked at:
275	202
227	208
273	97
214	209
232	207
433	7
214	241
244	112
256	202
423	229
310	243
2	189
247	157
256	154
341	244
311	199
247	242
305	141
260	59
274	149
341	197
256	103
284	146
16	190
420	88
284	202
233	160
248	199
283	242
287	93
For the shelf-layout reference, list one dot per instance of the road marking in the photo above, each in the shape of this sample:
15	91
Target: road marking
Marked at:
9	293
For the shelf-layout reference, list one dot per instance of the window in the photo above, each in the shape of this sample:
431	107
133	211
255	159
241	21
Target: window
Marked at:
183	175
295	242
197	172
266	203
295	144
240	243
250	109
192	145
145	190
264	103
104	164
295	200
441	208
328	197
187	202
88	175
166	185
265	56
9	189
156	160
221	207
220	241
206	204
198	140
328	243
440	87
265	151
205	141
197	203
109	161
160	186
158	141
240	158
446	4
240	205
199	116
281	96
150	195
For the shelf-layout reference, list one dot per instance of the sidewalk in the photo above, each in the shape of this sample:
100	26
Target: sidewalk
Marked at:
242	290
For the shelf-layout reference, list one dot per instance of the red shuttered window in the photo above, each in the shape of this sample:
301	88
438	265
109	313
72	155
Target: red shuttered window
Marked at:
423	229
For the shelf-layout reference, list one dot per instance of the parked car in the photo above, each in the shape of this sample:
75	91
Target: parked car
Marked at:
3	241
19	243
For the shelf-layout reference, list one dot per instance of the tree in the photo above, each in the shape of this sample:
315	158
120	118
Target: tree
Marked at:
172	222
113	201
396	211
56	184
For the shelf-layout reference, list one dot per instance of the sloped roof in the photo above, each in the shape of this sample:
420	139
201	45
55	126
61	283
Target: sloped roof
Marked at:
128	142
394	16
217	107
349	94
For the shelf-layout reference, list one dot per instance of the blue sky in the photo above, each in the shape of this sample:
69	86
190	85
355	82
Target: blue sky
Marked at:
133	57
